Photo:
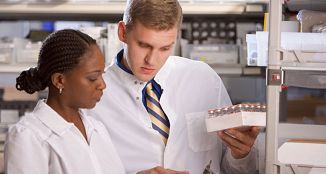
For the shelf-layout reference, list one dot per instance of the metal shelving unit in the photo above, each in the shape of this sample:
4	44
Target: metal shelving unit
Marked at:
278	72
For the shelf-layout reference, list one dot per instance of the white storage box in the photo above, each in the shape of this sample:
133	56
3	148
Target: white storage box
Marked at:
257	49
26	51
251	49
300	47
6	53
262	48
9	116
303	153
303	157
215	54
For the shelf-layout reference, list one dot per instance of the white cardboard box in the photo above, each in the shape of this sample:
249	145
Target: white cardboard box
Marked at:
239	119
215	54
302	153
306	47
251	50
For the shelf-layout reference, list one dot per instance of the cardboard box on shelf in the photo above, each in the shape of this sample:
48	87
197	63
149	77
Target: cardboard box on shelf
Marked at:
308	110
215	54
303	152
12	94
8	116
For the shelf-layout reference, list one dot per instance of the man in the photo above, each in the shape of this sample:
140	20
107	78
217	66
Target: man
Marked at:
170	133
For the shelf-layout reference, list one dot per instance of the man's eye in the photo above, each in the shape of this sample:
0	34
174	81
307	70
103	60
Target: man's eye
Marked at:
143	45
166	48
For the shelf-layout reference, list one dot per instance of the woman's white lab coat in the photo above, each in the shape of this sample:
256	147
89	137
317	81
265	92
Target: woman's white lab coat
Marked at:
190	88
42	142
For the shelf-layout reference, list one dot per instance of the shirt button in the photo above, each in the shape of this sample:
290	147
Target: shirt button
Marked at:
141	83
135	82
137	98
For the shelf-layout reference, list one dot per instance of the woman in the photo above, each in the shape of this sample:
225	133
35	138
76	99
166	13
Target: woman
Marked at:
57	138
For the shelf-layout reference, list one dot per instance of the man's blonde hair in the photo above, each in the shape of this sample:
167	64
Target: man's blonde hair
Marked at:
153	14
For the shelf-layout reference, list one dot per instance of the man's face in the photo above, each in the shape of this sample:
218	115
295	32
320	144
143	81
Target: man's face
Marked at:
146	50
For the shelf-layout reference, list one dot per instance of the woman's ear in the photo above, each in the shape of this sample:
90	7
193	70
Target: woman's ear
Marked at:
122	30
57	79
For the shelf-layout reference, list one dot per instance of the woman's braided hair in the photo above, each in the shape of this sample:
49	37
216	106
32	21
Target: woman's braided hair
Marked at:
60	52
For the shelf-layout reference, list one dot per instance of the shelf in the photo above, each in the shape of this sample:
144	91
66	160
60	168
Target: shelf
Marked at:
305	60
214	8
236	69
295	131
306	79
303	66
63	8
82	9
220	69
227	69
14	68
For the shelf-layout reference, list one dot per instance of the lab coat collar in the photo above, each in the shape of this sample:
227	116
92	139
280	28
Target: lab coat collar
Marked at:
127	78
54	121
123	73
160	77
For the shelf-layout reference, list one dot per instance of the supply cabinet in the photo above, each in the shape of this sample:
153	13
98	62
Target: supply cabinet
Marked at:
292	68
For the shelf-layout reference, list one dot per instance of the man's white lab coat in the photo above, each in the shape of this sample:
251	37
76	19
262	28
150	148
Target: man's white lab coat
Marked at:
190	88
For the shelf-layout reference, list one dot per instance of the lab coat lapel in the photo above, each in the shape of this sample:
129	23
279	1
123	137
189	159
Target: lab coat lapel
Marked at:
50	118
167	103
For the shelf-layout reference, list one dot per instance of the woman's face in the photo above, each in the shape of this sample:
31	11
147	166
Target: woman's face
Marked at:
84	85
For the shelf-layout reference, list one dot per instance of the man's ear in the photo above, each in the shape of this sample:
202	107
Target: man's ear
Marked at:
122	31
57	79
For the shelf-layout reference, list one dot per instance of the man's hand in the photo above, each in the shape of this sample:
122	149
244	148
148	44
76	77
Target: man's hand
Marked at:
239	141
161	170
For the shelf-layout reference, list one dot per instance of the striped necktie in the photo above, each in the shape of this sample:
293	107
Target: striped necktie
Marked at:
159	120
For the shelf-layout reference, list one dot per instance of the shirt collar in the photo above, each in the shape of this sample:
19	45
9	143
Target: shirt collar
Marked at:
156	87
118	61
159	79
